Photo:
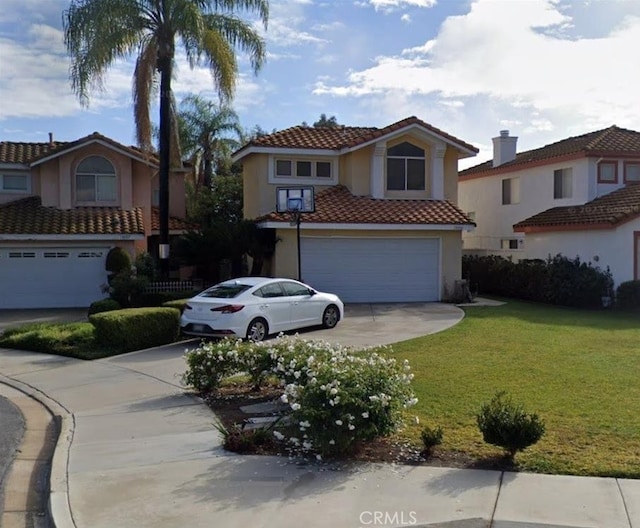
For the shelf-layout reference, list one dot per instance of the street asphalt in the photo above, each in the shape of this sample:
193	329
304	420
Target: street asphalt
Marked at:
135	450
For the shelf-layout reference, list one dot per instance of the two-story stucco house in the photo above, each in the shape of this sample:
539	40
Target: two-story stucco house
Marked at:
63	206
386	227
575	197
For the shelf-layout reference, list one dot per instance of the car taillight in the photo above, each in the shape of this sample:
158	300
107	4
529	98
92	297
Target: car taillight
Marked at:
228	308
187	307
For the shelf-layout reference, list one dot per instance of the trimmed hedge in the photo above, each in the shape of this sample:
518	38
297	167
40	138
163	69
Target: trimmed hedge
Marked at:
136	328
628	295
161	298
104	305
177	304
558	280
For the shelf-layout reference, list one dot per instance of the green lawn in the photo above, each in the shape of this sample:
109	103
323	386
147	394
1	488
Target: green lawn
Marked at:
579	370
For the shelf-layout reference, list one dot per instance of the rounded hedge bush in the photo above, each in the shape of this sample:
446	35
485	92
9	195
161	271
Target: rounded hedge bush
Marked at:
104	305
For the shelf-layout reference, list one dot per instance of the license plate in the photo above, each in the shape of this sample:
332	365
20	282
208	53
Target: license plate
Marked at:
198	328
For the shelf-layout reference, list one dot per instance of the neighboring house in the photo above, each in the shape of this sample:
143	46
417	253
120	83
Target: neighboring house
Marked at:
576	197
386	227
63	206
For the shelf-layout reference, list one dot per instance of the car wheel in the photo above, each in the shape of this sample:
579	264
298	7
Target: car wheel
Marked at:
258	330
331	316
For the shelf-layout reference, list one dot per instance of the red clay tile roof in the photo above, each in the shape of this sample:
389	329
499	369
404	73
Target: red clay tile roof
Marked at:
175	223
28	217
610	141
604	212
337	138
336	205
27	153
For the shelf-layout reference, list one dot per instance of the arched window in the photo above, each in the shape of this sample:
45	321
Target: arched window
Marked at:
96	180
405	168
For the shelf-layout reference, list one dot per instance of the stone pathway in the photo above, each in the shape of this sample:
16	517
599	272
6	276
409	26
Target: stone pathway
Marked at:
262	415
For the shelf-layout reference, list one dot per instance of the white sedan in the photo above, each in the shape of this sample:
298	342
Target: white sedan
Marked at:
254	307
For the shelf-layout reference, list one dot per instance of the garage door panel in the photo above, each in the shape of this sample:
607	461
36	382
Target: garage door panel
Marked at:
51	277
373	270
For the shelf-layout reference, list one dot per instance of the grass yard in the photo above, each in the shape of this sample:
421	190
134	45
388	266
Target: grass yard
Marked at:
579	370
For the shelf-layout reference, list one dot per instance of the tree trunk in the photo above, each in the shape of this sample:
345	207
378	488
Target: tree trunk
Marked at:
165	66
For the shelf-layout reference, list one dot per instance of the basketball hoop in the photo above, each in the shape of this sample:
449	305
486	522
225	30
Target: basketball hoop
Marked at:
295	201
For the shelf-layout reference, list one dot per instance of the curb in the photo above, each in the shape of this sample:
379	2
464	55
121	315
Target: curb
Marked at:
59	507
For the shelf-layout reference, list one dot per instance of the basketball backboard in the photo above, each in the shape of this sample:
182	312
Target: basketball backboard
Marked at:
295	200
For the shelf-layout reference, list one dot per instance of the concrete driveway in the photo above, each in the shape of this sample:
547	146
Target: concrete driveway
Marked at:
363	324
383	324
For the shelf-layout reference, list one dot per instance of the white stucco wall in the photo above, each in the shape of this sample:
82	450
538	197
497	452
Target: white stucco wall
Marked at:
483	196
612	247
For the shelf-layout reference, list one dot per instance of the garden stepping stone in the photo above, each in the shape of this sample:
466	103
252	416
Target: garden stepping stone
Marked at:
264	408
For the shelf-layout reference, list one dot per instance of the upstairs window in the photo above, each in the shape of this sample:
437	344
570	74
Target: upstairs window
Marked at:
562	183
96	181
15	183
286	168
510	191
632	172
608	172
405	168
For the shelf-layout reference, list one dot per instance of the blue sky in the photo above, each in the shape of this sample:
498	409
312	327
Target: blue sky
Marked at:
544	69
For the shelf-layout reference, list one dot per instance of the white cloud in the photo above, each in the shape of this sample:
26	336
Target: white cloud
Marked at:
388	5
508	52
406	18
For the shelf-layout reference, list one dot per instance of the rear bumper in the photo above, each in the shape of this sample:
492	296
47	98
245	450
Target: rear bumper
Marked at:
204	330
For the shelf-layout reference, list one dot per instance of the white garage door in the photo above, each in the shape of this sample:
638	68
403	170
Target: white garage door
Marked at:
54	277
373	270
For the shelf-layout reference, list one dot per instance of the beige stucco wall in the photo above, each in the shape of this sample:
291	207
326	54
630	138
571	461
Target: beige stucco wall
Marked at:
285	259
355	171
258	194
451	175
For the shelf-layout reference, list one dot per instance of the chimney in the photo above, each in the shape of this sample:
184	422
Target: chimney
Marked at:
51	138
504	148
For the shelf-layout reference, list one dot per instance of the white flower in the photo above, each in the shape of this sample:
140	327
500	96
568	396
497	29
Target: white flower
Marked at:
351	427
338	422
305	424
278	435
318	457
333	391
365	414
416	420
306	445
284	398
332	442
295	406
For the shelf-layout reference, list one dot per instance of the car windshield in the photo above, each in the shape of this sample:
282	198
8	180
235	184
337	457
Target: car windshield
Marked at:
225	291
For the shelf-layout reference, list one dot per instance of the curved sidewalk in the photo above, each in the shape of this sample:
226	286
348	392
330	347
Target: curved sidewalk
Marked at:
136	451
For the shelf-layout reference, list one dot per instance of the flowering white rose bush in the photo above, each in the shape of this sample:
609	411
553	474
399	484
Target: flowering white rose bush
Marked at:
338	396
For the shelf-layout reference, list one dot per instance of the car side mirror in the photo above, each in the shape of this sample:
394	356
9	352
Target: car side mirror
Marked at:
312	292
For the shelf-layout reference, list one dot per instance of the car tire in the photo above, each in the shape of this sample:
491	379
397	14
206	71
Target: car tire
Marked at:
330	316
258	330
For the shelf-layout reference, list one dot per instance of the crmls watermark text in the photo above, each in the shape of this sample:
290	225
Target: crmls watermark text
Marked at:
387	518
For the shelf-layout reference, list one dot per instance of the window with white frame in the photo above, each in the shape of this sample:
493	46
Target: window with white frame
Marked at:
562	183
289	168
15	183
96	181
405	168
510	191
632	172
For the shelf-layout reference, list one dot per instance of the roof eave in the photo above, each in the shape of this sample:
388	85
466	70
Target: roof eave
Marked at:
340	226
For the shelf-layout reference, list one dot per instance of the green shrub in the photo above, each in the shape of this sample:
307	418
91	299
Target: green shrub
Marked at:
51	338
505	424
239	440
104	305
160	298
628	295
136	328
118	260
127	288
558	280
211	362
178	304
431	438
338	397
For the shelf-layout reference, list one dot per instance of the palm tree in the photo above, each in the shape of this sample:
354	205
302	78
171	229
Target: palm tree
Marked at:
204	135
99	32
